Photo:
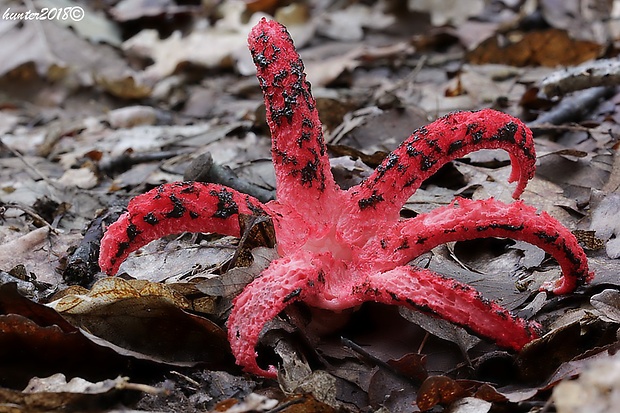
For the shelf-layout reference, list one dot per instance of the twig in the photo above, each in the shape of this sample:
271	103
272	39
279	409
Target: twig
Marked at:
126	160
591	74
573	109
28	164
369	357
203	169
287	404
29	211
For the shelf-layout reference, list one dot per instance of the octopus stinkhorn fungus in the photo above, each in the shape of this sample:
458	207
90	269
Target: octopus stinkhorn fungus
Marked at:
340	248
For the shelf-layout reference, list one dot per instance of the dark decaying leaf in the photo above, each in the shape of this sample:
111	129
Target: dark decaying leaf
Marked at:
204	169
198	391
542	357
411	365
438	390
441	328
256	231
37	341
391	391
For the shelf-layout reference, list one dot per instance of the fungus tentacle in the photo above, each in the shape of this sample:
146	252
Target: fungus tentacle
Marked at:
285	281
451	300
430	147
298	148
172	209
465	219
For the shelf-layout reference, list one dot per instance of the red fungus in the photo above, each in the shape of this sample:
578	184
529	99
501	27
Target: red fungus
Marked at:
342	248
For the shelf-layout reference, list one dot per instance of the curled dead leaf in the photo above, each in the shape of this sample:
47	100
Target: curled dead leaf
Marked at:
146	320
54	393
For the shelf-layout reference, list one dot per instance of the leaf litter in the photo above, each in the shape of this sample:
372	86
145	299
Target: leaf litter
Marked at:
58	110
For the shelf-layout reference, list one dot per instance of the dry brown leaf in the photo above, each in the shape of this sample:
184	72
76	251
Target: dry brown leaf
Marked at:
39	250
550	47
546	195
412	365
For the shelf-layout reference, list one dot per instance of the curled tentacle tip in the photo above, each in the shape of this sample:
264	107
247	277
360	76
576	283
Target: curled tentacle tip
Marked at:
270	373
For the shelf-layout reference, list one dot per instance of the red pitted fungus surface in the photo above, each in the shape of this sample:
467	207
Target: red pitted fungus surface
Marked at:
340	248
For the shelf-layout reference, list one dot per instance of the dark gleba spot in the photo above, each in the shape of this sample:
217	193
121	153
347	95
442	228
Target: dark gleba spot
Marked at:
412	151
475	132
309	172
304	137
427	163
226	206
291	295
455	146
286	111
260	60
523	144
150	219
132	231
390	161
372	200
122	247
178	209
277	79
548	238
507	132
495	225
